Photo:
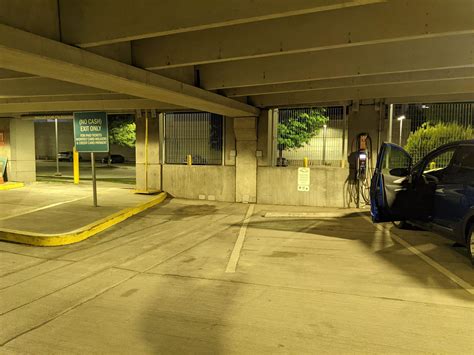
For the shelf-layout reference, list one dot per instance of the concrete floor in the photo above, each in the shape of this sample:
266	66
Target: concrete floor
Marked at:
156	283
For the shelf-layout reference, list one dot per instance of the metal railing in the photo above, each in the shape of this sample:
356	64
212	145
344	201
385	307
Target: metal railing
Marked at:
420	128
195	134
327	145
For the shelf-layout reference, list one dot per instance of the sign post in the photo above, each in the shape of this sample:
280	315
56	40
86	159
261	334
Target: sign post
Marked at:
94	181
91	135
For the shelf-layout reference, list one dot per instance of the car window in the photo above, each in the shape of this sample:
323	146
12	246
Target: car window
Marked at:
395	158
437	164
461	169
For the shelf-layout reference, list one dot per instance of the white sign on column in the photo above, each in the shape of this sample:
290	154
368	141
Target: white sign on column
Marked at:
304	179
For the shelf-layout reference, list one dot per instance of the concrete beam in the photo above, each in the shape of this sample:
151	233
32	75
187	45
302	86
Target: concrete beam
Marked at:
416	55
10	74
88	23
70	104
455	86
423	99
182	74
25	52
357	81
385	22
36	86
35	16
121	52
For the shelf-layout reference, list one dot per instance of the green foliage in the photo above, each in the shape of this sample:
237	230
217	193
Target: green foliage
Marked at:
430	136
296	131
122	131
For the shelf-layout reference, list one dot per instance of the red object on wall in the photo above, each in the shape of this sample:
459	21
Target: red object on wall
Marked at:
2	138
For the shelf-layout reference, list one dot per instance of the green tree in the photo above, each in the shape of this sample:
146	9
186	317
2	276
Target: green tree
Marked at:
297	130
430	136
122	131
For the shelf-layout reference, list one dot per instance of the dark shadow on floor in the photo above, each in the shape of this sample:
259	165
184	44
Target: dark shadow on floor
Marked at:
353	227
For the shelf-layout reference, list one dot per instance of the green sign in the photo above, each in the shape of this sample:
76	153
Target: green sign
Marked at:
91	132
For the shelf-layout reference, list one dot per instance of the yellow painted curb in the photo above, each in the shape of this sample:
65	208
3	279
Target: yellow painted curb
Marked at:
11	186
48	240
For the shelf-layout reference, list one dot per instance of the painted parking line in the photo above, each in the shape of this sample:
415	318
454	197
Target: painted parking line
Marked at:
11	186
43	208
304	214
239	243
456	279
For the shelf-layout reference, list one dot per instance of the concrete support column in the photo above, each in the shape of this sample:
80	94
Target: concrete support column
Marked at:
364	120
22	163
148	167
245	129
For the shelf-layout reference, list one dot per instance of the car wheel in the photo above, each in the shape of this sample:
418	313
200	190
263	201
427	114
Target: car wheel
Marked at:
400	224
470	243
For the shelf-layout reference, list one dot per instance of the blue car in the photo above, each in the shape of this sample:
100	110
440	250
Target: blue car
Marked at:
435	194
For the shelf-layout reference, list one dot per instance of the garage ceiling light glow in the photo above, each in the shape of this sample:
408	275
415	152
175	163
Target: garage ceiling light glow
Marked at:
400	118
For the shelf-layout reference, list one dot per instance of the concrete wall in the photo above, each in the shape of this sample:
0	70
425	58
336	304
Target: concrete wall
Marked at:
245	130
229	142
210	182
22	151
365	120
193	182
148	167
372	121
19	149
276	185
247	175
46	141
264	132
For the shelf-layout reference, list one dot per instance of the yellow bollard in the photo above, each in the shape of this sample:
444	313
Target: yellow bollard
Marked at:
305	162
75	159
432	165
189	159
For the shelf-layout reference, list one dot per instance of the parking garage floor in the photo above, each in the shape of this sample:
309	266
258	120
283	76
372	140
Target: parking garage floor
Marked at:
306	280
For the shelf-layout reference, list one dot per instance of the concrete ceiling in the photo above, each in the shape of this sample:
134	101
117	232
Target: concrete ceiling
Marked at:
231	57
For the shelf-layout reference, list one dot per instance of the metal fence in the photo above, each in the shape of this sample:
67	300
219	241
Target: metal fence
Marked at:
326	147
420	128
199	134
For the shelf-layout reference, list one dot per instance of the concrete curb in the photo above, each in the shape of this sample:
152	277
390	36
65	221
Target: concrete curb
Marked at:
11	186
48	240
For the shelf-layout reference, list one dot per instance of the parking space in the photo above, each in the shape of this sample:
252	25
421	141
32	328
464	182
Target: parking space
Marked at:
306	280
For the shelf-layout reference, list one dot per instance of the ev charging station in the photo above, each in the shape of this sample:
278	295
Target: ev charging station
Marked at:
360	168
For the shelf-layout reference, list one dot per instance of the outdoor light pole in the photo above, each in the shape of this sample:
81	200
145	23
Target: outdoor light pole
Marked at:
390	123
401	118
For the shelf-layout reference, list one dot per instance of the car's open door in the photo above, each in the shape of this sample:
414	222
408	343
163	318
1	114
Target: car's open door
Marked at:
389	190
